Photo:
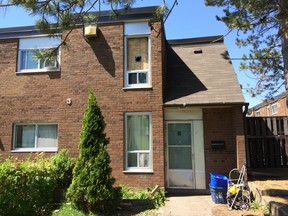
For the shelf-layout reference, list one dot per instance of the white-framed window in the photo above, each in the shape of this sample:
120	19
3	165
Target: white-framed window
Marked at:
137	55
274	108
138	142
28	50
268	111
35	137
257	113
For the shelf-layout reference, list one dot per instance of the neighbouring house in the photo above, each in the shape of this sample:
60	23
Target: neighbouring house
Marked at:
270	107
173	108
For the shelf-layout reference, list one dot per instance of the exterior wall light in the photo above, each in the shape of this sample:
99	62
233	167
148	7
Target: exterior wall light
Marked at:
90	30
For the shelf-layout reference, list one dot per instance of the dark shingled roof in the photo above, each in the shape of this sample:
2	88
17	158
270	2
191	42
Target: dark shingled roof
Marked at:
198	72
269	101
143	13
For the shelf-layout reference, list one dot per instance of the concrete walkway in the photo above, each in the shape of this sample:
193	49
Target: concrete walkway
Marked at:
188	205
200	205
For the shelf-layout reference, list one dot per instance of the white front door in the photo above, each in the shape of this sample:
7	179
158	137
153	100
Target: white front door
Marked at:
180	173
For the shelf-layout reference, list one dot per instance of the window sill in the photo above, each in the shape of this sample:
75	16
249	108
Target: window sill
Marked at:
137	87
38	71
34	150
138	172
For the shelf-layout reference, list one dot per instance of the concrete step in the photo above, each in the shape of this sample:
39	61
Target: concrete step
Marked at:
277	205
273	193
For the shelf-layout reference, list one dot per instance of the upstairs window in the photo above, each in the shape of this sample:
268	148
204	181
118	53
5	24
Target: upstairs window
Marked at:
30	48
274	108
257	113
35	137
137	55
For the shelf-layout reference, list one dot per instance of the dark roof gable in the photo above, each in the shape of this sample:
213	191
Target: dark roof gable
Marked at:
271	101
198	72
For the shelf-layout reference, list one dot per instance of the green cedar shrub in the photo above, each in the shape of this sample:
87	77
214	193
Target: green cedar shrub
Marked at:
92	184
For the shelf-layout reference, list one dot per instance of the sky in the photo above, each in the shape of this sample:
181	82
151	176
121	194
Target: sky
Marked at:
189	19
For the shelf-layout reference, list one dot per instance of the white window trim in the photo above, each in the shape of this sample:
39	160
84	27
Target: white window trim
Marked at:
135	86
35	149
139	169
257	113
46	69
48	46
268	111
272	110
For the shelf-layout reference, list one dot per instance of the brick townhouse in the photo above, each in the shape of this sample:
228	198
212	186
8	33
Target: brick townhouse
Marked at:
275	106
173	108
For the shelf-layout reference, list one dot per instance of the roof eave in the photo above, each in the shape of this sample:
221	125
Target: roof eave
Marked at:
134	14
206	104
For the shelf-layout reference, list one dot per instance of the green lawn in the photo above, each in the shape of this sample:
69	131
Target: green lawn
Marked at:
69	210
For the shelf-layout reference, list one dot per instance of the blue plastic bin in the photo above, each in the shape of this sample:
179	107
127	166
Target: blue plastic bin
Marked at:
218	194
217	180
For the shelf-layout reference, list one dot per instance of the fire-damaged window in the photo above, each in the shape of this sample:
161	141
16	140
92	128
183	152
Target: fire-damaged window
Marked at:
137	55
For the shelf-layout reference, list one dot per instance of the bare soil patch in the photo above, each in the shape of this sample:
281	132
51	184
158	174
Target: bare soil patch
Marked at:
222	210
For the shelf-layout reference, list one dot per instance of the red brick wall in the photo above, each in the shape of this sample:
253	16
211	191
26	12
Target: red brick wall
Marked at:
267	110
223	124
99	65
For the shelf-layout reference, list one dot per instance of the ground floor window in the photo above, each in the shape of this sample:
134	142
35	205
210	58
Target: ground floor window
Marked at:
38	136
138	141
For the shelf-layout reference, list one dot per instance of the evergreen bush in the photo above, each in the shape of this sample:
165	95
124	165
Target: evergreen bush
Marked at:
92	185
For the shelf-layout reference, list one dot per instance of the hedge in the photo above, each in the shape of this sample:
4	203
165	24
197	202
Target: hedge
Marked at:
30	186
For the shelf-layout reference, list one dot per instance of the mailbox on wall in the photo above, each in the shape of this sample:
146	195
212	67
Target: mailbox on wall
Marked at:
218	144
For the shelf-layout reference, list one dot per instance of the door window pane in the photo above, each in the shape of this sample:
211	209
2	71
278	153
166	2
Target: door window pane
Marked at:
180	158
179	134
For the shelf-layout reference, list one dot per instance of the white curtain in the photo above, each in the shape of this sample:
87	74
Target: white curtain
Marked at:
47	136
138	132
27	139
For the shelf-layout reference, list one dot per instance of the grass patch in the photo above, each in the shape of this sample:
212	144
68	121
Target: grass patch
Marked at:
68	209
157	199
134	203
255	205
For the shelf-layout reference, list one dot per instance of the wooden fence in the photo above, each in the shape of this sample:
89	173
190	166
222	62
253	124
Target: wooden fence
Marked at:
267	142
